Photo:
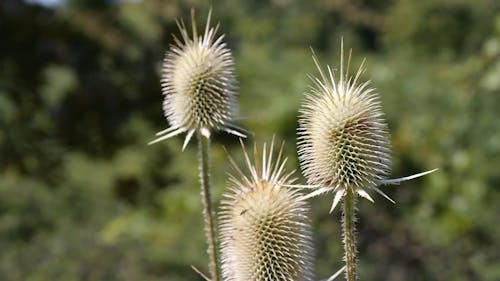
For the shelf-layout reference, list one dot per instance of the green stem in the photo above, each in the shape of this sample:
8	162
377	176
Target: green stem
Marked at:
210	231
348	227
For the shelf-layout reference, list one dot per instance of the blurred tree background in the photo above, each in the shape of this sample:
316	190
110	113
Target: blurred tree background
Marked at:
82	197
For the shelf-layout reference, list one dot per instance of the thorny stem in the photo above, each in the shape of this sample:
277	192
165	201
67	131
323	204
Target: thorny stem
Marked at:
210	231
348	227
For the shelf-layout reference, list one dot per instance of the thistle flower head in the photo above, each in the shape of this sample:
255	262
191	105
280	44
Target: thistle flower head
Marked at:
198	84
343	140
264	227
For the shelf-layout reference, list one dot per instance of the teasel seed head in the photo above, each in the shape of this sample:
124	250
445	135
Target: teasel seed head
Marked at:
264	227
343	140
198	84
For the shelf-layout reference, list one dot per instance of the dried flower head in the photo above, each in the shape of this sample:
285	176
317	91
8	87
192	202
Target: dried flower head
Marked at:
342	136
264	226
198	84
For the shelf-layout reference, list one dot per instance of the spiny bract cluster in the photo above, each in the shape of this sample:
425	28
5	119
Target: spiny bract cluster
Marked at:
198	84
342	137
264	226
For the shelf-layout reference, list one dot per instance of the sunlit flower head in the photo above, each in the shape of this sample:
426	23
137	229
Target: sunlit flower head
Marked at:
198	84
343	142
264	227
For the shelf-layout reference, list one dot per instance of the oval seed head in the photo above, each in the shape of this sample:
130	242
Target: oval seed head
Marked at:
198	84
264	227
342	137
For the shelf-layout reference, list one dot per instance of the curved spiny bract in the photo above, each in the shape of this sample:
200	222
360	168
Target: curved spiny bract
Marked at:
198	84
264	227
343	140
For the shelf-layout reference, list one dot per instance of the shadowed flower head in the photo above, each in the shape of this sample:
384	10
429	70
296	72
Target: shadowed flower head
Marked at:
342	136
264	226
198	84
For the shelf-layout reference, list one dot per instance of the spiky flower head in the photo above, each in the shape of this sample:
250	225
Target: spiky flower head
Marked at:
198	84
264	226
343	142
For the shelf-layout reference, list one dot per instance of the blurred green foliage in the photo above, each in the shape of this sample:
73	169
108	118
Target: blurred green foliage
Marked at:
83	198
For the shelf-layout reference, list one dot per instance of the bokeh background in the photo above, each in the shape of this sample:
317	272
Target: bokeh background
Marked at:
82	197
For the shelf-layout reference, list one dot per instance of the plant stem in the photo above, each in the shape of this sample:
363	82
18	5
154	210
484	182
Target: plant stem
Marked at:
210	231
348	227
